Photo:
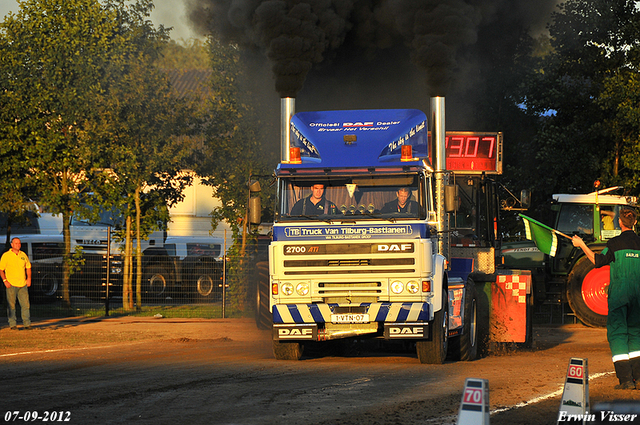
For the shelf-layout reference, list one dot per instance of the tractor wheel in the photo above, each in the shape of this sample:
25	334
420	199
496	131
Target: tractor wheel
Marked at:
587	289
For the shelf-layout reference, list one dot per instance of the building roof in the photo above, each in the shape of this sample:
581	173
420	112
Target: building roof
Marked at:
188	81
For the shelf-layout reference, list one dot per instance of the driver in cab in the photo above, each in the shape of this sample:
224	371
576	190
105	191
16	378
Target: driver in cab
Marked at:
314	204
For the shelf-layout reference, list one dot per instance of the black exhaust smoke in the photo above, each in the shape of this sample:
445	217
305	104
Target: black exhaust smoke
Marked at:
297	34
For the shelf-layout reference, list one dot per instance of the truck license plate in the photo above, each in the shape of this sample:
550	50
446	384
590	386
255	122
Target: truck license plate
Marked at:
350	318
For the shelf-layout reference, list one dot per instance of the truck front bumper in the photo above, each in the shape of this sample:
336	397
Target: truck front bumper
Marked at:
321	322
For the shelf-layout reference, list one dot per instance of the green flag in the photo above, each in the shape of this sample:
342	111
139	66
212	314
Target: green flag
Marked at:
544	236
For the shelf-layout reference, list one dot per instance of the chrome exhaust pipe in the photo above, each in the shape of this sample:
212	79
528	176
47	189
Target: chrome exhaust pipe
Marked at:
287	109
438	148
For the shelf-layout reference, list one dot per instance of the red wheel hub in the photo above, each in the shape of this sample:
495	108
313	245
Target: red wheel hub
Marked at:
594	290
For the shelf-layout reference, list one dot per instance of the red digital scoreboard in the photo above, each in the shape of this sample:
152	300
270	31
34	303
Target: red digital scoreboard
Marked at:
473	153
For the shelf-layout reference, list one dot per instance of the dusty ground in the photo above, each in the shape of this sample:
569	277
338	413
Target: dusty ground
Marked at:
221	371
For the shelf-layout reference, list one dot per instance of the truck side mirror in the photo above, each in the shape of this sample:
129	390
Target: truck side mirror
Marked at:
451	198
525	198
255	206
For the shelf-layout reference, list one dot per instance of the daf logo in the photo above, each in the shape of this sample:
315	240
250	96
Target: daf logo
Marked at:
305	333
417	331
298	332
404	247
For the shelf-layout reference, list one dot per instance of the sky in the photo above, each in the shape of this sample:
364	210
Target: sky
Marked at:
170	13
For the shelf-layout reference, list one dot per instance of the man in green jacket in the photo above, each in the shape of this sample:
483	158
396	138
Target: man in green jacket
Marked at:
623	321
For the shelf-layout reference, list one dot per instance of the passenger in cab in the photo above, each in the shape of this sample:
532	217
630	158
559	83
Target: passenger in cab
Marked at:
402	204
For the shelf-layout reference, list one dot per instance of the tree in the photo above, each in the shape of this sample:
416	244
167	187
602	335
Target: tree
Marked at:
140	120
592	40
620	101
191	54
234	151
54	53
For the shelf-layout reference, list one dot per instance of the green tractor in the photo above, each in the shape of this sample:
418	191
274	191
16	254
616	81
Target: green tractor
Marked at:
569	276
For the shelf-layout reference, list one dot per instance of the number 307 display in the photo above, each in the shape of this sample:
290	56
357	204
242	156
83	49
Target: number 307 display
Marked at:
471	153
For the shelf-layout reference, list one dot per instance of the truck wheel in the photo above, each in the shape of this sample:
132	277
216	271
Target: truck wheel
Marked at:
435	350
204	285
465	347
287	350
156	282
263	316
46	286
587	293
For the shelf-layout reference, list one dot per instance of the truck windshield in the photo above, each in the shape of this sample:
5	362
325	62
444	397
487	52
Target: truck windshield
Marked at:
358	197
111	218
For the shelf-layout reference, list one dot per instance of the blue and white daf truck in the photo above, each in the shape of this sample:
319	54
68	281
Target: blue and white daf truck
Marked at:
358	238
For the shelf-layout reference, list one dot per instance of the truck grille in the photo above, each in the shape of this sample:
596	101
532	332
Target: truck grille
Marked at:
350	293
349	258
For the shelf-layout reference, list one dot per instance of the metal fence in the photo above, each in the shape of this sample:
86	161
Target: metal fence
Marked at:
192	283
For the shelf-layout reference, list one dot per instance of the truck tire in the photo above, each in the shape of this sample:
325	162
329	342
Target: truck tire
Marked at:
45	287
434	351
287	350
262	313
465	347
204	285
156	282
587	292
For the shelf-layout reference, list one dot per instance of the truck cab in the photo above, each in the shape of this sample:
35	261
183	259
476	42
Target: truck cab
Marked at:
355	246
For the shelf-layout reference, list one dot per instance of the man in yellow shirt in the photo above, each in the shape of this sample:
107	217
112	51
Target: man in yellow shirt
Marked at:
15	271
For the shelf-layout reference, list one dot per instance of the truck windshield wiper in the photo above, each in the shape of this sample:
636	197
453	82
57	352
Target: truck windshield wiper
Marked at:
356	217
314	218
381	217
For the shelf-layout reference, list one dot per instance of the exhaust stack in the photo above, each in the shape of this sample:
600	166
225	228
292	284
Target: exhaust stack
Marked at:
287	109
438	134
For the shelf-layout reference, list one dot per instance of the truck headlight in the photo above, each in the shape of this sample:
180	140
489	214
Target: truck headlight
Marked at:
413	286
287	288
397	287
302	288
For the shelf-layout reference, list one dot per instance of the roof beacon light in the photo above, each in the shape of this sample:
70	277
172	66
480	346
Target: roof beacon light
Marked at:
294	156
406	153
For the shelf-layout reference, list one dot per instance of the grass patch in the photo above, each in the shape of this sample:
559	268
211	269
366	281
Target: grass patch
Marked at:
57	310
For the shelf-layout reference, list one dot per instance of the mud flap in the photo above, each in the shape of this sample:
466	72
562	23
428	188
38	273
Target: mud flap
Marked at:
406	330
295	332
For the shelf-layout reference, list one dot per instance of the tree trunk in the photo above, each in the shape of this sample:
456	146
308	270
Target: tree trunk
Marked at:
127	295
138	251
66	256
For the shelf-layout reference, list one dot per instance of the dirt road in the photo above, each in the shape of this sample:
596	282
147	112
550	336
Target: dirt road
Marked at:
221	371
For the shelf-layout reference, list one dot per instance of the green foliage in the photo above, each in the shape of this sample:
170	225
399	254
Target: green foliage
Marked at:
190	54
620	101
234	148
584	81
54	54
80	95
234	151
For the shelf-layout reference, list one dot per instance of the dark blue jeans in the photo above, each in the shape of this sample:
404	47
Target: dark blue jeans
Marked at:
22	295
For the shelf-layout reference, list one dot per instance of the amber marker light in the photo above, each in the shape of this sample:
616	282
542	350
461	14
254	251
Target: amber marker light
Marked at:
406	153
426	286
294	156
